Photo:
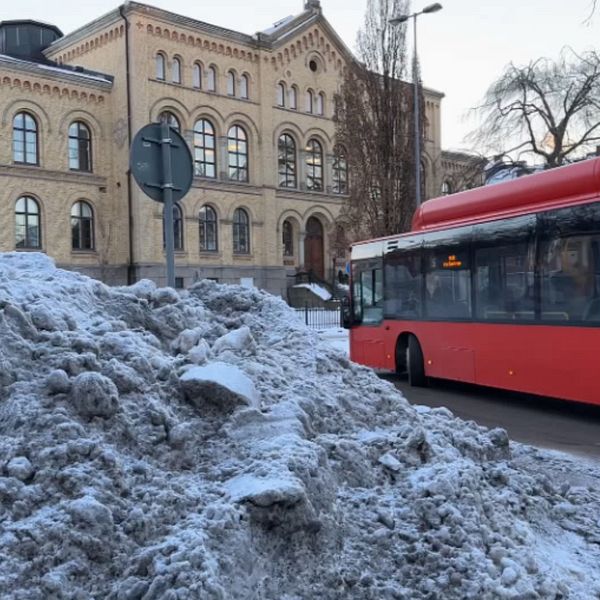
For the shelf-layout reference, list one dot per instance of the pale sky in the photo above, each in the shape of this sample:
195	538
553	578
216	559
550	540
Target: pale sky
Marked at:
462	48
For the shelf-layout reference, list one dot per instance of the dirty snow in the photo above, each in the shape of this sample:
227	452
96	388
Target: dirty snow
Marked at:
317	290
204	444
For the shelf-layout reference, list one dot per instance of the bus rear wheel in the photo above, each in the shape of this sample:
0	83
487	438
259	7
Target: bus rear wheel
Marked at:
415	365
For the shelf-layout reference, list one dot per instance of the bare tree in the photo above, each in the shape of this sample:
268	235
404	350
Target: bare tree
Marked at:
547	109
374	126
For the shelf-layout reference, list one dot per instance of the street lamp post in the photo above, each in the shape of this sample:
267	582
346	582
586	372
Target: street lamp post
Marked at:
396	21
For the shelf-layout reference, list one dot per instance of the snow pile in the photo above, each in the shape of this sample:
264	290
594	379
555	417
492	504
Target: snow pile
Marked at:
204	444
316	289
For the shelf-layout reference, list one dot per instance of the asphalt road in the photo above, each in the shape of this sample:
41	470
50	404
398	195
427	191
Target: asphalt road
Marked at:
541	422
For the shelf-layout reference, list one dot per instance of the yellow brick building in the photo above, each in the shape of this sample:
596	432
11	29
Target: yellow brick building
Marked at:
256	111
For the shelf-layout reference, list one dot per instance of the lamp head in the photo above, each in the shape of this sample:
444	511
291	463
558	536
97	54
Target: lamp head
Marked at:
398	20
432	8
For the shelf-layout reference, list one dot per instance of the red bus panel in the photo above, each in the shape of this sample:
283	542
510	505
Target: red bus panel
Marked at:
560	362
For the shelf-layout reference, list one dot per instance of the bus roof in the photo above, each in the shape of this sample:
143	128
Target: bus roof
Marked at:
542	191
558	187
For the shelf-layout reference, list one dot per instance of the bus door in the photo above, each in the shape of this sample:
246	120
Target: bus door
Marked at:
367	302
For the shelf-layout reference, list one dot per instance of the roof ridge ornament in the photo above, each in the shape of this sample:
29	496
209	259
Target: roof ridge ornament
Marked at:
314	5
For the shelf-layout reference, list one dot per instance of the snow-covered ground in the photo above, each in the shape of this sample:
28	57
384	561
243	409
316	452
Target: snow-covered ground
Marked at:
204	444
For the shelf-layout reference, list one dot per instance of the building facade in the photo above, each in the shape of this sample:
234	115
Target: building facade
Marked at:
256	111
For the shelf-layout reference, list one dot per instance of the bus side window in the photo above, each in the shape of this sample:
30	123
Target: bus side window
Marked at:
448	284
569	278
372	296
357	297
403	281
505	282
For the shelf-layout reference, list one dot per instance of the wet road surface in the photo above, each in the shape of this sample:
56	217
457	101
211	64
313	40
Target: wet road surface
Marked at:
542	422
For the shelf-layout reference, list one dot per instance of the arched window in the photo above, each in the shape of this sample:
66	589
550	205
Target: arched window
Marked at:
281	94
287	235
176	70
446	188
197	76
212	79
309	101
80	147
340	172
82	226
160	63
207	221
286	152
25	139
241	232
314	166
205	159
177	229
244	87
293	97
27	223
321	104
231	83
237	151
170	119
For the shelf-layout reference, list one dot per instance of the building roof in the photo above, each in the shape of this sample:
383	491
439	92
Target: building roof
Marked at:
68	73
269	39
32	22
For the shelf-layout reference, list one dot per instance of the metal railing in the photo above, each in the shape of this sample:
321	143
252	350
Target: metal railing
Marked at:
317	317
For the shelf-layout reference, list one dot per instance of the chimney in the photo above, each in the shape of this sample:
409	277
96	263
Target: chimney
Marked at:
314	5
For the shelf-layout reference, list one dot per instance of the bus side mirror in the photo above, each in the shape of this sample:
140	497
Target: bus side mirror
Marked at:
346	313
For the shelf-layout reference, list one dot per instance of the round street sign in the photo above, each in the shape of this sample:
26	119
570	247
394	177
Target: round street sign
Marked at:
146	162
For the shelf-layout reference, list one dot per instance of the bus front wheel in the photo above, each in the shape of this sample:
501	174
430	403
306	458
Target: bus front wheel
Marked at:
415	366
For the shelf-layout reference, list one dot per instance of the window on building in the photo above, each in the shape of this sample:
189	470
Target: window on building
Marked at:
287	234
293	97
207	221
212	79
314	166
286	151
321	104
309	101
205	160
241	232
197	76
160	64
340	172
176	70
25	139
27	223
446	188
82	226
244	87
231	83
280	94
170	119
177	229
237	151
80	147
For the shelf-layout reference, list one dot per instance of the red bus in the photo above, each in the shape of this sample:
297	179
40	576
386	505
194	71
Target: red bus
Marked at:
497	286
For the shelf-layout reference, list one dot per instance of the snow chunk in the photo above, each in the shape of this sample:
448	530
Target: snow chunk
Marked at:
219	384
94	395
238	340
315	289
266	491
89	512
20	467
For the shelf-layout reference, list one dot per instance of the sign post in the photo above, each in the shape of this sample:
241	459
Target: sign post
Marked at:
162	165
